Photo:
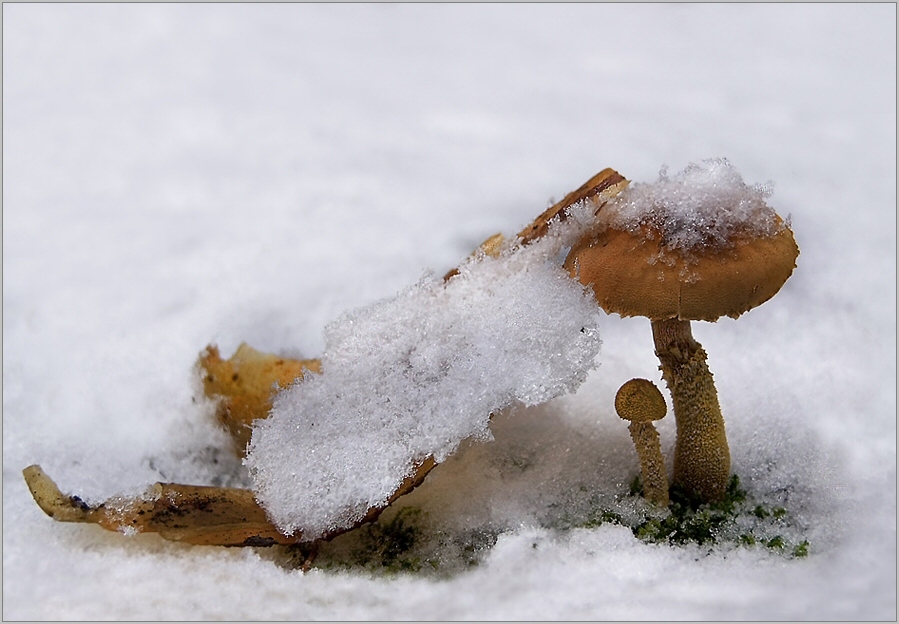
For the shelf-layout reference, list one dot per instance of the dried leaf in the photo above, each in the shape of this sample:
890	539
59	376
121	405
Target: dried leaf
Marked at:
245	385
195	514
183	513
600	188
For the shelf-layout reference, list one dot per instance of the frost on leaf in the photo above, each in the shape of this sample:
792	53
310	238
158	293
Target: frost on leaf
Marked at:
405	380
411	377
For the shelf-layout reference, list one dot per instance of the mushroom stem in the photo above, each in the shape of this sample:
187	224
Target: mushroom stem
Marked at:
652	462
640	402
701	455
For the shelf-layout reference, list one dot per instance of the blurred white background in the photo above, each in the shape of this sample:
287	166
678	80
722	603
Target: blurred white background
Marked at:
176	175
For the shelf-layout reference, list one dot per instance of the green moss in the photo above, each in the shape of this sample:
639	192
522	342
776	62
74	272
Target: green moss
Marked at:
692	522
390	544
405	541
686	521
636	486
601	517
775	543
736	519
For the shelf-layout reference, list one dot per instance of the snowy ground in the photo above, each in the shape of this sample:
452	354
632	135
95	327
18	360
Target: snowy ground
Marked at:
179	175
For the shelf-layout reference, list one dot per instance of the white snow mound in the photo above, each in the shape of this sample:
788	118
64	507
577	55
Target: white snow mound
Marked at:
702	206
413	376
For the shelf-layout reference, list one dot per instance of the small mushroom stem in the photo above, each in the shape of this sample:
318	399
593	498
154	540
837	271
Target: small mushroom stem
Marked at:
652	462
640	402
701	454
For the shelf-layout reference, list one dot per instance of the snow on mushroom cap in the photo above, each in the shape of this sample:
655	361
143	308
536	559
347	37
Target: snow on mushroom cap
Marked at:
703	206
411	377
697	246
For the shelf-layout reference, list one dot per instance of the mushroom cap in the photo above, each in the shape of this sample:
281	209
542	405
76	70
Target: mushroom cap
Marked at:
635	274
640	401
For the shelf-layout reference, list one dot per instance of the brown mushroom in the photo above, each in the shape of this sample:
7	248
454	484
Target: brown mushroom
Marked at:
641	403
638	269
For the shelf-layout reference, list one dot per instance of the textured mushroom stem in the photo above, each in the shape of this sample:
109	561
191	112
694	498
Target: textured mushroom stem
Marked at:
701	455
652	463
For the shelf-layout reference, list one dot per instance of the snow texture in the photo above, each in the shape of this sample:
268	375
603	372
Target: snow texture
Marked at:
707	205
411	377
180	174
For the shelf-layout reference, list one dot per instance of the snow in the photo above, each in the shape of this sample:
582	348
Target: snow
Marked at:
704	206
178	175
412	376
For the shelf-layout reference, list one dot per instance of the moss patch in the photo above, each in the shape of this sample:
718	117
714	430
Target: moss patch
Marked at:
404	541
736	520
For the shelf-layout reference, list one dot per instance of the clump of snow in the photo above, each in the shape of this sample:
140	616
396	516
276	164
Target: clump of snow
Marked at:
413	376
703	206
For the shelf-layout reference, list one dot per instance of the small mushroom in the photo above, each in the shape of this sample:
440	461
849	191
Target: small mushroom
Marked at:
642	267
640	402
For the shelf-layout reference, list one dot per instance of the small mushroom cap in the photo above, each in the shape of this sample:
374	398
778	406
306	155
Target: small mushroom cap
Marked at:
639	400
633	274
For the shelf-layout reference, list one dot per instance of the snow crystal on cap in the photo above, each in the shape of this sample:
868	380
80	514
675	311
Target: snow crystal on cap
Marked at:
702	206
413	376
